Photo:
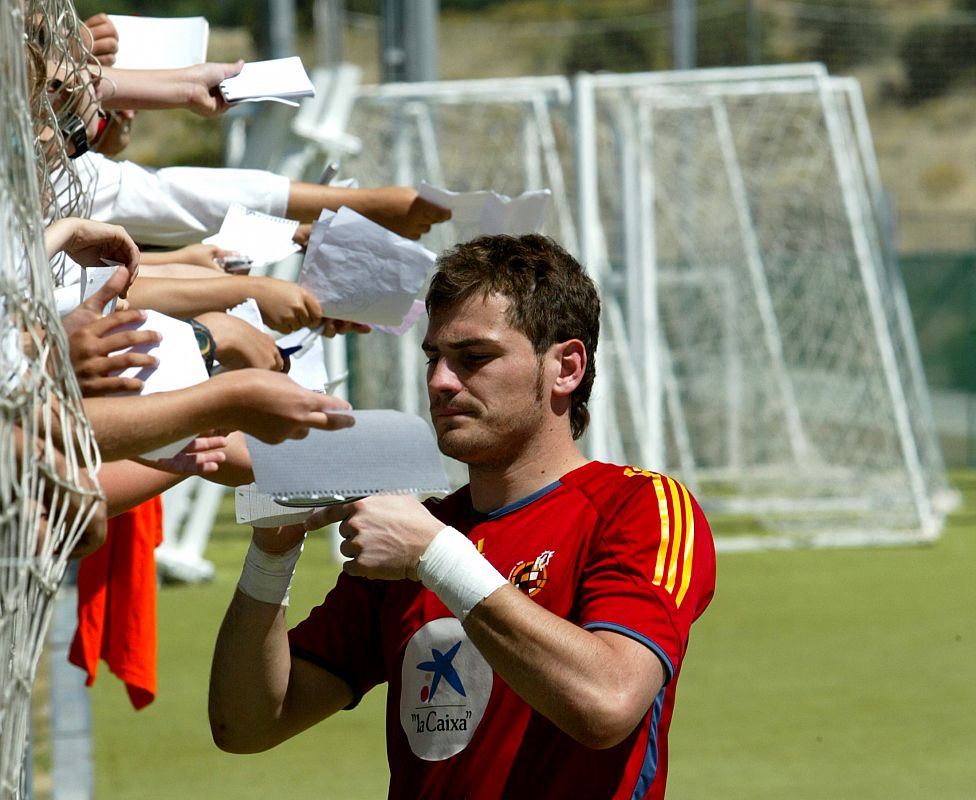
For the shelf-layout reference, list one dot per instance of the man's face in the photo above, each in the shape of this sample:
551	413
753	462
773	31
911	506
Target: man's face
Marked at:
485	383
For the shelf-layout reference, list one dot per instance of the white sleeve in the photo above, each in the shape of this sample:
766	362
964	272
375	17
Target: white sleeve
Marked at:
180	205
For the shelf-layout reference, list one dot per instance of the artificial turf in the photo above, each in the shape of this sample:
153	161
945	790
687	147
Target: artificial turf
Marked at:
814	674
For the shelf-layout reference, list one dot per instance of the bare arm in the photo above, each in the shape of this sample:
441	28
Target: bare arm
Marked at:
128	483
200	255
268	405
594	686
193	88
398	208
259	696
285	306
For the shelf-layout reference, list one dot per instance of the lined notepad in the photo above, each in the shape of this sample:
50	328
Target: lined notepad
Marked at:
385	452
283	80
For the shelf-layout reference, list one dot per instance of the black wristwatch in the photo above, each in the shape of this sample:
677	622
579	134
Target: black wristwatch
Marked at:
206	343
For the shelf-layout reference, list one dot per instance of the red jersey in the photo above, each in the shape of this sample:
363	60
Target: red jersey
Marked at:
606	547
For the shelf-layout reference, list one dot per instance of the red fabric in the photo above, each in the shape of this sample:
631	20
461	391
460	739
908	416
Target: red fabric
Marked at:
606	547
117	602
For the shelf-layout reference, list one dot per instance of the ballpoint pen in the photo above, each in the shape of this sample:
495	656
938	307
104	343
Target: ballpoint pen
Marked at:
330	171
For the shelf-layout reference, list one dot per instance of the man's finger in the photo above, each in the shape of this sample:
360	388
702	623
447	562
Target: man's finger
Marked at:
116	320
127	339
112	288
327	515
97	387
331	421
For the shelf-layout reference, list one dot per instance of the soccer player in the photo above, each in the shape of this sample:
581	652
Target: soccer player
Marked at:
532	625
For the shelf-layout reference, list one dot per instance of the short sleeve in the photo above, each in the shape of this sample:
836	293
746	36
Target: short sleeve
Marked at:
342	635
651	569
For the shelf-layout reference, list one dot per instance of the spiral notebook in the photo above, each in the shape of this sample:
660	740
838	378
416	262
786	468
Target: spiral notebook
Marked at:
282	80
385	452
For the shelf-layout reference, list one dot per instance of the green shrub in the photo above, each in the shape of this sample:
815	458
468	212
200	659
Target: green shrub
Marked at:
935	54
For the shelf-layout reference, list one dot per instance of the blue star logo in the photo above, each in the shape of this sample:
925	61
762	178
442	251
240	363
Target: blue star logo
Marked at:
442	667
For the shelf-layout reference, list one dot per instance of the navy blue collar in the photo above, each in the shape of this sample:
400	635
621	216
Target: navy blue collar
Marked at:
517	504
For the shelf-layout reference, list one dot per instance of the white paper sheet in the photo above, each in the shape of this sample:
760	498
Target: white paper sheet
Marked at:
362	272
160	42
180	365
68	298
266	239
495	213
282	80
249	312
93	279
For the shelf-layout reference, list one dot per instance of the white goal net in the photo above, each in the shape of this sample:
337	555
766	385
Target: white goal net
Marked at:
753	308
47	453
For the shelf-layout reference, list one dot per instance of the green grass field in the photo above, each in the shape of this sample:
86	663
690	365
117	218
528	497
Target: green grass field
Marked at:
814	674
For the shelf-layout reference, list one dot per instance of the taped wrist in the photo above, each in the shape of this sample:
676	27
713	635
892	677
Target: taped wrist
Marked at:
457	573
267	576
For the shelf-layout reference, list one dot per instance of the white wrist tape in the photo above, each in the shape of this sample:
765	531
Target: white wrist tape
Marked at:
457	573
267	576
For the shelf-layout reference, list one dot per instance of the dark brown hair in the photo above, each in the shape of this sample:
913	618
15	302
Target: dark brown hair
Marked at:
552	299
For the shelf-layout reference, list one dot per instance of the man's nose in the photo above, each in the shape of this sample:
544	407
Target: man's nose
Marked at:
442	378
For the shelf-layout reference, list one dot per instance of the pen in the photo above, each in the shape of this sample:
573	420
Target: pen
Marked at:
330	171
300	349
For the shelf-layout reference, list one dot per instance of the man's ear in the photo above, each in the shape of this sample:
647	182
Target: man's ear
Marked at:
571	355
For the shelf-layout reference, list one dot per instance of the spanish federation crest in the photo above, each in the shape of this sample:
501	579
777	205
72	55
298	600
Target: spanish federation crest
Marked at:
531	576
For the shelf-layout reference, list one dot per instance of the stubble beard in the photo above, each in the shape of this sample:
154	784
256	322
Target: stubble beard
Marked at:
493	444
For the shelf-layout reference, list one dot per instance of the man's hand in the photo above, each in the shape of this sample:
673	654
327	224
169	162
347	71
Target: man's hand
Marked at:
240	344
338	327
102	38
90	349
201	84
272	407
285	306
302	234
201	255
91	343
202	456
400	209
88	242
29	450
383	536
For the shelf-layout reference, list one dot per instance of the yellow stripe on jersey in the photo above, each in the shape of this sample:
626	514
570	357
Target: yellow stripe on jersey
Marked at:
679	525
679	528
689	547
662	551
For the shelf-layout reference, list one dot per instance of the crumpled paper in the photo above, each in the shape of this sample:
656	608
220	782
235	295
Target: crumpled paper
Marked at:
362	272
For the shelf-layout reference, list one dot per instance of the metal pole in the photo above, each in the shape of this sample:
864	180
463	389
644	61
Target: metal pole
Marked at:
281	28
393	55
408	47
684	34
330	21
753	34
420	36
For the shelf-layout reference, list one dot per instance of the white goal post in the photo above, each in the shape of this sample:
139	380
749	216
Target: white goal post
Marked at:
751	305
